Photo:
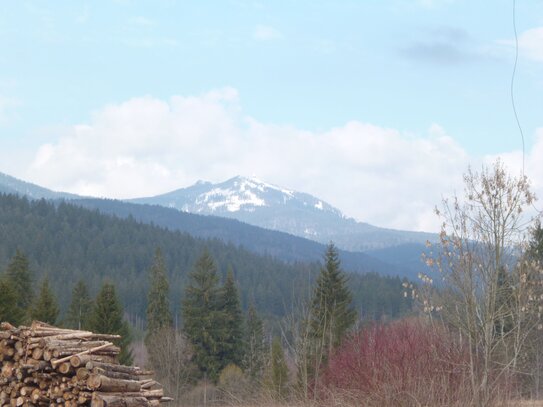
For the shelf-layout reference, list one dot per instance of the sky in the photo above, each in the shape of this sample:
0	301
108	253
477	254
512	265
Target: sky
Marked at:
377	107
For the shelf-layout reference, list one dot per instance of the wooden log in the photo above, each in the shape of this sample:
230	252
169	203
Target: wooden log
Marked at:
106	384
105	400
82	373
65	368
37	353
56	362
117	375
118	368
82	360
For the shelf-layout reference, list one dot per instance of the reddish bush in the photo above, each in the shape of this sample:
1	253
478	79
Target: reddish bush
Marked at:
407	362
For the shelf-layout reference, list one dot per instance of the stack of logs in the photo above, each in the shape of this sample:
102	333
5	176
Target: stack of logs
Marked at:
46	366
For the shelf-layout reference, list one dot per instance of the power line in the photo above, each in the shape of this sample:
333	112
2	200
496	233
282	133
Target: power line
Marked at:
512	89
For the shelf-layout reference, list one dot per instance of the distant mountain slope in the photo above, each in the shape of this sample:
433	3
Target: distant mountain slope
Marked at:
283	246
11	185
408	256
68	243
261	204
276	244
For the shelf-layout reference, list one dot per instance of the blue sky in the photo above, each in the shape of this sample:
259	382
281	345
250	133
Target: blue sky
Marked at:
366	75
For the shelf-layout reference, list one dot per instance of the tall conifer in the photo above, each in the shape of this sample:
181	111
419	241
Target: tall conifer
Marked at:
45	307
158	303
107	318
254	355
331	312
202	318
9	310
18	272
232	341
80	308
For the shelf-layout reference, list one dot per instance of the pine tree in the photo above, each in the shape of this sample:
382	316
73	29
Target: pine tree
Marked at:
202	318
232	341
107	318
158	303
18	272
80	307
331	312
279	370
9	310
254	357
45	307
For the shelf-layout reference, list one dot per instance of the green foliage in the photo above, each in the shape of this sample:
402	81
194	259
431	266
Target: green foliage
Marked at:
279	371
331	306
70	243
203	320
232	341
45	307
18	272
80	307
107	318
254	357
9	311
535	248
158	303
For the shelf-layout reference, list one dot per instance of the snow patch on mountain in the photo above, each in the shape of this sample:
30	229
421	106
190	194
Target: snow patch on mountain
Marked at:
231	200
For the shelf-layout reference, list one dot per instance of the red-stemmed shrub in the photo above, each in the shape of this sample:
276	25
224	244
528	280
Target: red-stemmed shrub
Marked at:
404	363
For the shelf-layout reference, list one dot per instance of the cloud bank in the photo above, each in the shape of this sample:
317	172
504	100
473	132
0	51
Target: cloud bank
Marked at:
147	146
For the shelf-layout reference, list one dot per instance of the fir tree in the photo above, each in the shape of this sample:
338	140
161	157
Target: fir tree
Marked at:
232	341
18	272
107	318
202	318
45	306
279	370
254	356
158	303
80	307
331	312
9	310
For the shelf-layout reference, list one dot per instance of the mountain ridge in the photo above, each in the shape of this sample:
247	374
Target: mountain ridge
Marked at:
273	207
258	239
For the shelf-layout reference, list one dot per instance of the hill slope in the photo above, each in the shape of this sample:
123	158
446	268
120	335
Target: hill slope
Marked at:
261	204
69	243
11	185
277	244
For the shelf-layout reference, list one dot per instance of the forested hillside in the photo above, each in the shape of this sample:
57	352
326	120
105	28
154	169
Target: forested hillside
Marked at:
277	244
68	243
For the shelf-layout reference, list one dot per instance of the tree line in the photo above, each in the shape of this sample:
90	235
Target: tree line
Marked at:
69	243
217	341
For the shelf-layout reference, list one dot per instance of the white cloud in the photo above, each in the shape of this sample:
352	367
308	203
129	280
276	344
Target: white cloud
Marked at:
147	146
266	33
533	163
531	43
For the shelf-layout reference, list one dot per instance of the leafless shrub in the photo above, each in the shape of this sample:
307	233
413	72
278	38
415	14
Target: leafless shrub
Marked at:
169	355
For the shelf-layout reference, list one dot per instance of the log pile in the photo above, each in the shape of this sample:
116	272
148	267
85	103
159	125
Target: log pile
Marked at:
46	366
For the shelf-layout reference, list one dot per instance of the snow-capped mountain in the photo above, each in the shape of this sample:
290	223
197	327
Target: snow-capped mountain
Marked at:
262	204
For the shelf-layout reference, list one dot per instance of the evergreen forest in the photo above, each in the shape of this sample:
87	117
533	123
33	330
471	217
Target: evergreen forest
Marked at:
69	244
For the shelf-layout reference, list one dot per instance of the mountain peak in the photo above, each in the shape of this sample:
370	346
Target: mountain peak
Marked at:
241	195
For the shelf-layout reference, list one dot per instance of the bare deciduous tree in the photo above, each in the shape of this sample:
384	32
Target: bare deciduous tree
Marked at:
170	357
485	288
